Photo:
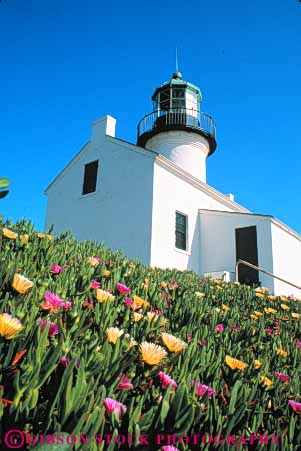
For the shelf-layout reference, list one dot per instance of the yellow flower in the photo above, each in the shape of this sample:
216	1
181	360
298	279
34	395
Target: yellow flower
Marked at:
103	296
132	343
44	235
257	364
9	233
131	265
152	353
113	333
235	364
138	303
280	351
174	344
164	284
9	326
266	381
226	308
272	298
21	284
213	296
270	310
264	290
284	307
24	238
137	317
259	295
295	315
254	316
199	294
283	298
93	261
256	313
152	316
106	273
217	309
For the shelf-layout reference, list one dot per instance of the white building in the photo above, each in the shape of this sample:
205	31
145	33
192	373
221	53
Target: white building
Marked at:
151	199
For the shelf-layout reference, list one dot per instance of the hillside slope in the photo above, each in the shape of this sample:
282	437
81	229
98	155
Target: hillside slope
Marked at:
92	343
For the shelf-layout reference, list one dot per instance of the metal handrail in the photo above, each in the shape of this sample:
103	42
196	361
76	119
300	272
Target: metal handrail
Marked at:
243	262
178	116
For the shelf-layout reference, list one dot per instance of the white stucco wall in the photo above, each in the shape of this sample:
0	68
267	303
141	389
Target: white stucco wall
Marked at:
119	213
217	232
187	150
174	193
287	260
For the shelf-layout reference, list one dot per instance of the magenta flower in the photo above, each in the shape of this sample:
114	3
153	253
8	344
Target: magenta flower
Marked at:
282	377
268	331
53	329
125	383
56	269
123	289
77	363
64	361
169	448
219	328
95	284
189	337
202	389
299	344
52	302
166	380
128	302
235	327
111	405
296	406
67	305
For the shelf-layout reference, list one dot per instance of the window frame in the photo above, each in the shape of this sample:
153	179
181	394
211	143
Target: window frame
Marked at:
179	231
86	183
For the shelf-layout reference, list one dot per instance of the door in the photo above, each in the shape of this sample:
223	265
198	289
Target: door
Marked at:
246	249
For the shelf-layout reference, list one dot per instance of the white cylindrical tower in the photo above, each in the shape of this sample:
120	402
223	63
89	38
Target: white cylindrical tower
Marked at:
177	128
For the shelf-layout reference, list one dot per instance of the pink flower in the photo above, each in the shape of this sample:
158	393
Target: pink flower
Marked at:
276	323
299	344
282	377
169	448
95	284
296	406
64	361
124	383
52	302
111	405
219	328
202	281
202	389
189	337
53	329
235	327
202	342
166	380
56	269
123	289
67	305
268	331
128	301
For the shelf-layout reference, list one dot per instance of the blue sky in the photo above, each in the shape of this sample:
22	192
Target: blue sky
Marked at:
66	63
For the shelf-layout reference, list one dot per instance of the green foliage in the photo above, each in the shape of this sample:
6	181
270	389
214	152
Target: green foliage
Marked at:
42	394
4	183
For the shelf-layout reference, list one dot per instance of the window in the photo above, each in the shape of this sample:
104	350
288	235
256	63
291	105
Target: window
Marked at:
178	98
90	177
181	231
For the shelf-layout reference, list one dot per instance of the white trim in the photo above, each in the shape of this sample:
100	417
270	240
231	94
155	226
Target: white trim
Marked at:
176	170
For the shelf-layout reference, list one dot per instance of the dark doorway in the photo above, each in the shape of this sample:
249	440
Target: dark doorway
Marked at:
246	249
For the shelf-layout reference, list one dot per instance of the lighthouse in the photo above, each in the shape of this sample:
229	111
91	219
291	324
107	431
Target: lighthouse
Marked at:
150	199
177	128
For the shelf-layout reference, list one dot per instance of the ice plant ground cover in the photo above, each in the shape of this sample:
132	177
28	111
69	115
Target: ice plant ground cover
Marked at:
93	343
